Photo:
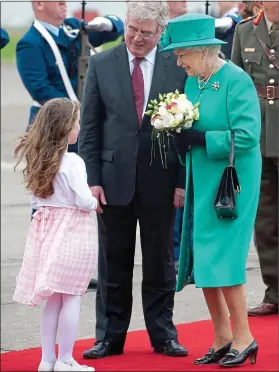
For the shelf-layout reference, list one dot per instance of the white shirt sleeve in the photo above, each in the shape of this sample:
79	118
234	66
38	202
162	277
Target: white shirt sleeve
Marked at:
223	24
77	179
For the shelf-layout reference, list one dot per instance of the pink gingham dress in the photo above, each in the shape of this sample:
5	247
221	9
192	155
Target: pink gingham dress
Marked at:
61	249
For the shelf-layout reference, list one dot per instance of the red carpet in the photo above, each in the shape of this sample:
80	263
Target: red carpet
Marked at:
138	355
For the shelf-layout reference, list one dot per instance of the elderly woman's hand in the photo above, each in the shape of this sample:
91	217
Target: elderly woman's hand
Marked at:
188	138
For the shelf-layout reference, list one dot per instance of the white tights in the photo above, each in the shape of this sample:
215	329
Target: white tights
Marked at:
61	313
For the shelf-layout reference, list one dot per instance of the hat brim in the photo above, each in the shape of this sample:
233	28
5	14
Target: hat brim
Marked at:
192	44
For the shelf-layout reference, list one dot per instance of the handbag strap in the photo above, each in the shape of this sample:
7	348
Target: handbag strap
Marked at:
231	158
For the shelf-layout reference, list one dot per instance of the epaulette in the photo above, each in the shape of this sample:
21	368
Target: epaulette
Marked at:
258	18
247	19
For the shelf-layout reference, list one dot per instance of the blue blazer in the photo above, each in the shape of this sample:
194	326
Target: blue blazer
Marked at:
4	38
36	61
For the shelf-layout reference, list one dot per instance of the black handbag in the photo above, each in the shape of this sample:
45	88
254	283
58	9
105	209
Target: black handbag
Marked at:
225	202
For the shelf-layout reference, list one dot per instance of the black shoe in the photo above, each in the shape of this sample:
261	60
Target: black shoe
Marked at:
213	356
171	348
235	358
101	349
92	284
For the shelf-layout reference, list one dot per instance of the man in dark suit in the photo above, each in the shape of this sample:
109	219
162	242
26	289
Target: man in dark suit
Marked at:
115	143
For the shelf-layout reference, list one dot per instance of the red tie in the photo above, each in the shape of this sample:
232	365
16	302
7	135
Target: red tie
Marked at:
138	87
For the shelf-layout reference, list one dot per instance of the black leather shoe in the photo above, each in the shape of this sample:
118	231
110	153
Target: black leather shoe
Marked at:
213	356
101	349
92	284
171	348
234	358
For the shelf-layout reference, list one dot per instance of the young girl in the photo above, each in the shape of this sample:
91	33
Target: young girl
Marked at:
61	249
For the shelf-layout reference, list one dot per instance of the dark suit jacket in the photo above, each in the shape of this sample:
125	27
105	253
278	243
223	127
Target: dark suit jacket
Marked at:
115	148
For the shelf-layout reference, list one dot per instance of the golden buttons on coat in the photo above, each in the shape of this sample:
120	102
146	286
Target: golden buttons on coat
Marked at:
271	81
272	51
271	66
271	102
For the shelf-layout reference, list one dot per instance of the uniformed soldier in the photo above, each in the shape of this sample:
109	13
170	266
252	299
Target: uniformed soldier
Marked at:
4	38
36	61
256	50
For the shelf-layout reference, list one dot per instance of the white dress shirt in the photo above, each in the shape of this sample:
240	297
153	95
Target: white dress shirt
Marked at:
147	68
70	187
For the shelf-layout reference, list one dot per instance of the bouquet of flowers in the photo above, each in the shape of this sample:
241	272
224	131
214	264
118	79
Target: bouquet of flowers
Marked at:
173	112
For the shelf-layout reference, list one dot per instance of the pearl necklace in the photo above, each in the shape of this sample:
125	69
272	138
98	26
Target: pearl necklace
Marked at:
203	82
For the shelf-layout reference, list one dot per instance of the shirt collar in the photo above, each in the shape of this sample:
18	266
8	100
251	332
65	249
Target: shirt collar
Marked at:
49	27
268	23
150	57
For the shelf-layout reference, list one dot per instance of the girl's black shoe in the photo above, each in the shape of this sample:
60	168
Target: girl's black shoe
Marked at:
235	358
213	356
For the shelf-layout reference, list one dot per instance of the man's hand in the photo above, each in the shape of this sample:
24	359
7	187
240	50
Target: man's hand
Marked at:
99	194
178	200
101	24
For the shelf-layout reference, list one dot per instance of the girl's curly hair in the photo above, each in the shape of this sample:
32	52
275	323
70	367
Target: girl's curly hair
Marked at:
43	146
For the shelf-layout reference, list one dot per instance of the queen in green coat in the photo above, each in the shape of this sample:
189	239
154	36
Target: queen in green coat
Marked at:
214	251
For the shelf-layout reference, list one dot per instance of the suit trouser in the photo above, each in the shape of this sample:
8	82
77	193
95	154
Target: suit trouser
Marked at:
266	229
177	232
117	236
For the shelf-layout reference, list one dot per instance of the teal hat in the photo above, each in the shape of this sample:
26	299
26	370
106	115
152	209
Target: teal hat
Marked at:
189	30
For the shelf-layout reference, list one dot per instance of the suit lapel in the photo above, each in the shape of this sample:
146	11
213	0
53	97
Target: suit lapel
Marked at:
62	39
276	41
262	32
124	79
161	69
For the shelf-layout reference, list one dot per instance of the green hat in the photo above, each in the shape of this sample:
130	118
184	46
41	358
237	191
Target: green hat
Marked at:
189	30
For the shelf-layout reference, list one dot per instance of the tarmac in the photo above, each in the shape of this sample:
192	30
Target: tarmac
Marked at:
20	324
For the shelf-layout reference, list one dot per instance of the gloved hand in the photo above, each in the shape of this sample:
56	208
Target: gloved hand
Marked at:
101	24
187	139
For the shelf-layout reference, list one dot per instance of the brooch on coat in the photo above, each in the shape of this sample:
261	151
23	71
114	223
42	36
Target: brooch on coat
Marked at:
215	85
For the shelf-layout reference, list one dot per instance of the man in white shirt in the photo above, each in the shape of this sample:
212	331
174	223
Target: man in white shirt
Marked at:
116	143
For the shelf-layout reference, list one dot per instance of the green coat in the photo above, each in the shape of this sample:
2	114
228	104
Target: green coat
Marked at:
219	247
248	54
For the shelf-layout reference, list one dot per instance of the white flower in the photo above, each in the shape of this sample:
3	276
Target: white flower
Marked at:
178	130
162	110
178	117
157	123
168	119
183	104
189	116
188	124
